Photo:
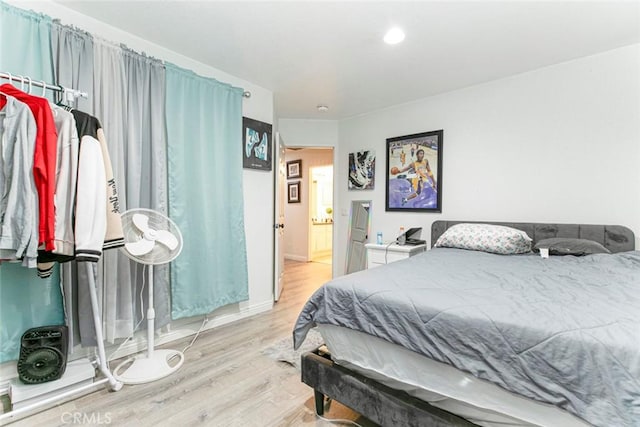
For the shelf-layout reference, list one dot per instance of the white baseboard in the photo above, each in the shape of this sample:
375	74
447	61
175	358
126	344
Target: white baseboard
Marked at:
296	258
176	330
186	327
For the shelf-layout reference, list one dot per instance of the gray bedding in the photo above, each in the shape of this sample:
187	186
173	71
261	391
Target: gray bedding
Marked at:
563	330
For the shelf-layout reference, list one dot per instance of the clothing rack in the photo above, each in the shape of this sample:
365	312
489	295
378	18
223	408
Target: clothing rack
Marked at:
68	93
102	362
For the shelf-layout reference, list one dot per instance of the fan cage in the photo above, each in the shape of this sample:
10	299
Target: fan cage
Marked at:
160	254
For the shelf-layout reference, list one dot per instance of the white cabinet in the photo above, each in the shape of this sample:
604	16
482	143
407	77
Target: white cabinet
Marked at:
388	253
321	239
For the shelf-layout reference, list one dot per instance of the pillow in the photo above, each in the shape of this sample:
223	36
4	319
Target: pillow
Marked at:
568	246
495	239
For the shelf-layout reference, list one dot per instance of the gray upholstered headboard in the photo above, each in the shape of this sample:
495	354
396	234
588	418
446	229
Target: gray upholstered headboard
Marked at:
616	238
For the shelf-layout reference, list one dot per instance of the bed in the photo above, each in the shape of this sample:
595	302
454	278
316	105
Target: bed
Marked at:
492	339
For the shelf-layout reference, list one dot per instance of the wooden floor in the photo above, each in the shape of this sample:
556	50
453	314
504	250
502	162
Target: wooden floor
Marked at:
225	380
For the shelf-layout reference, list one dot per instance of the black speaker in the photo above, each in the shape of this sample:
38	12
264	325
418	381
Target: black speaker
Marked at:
43	354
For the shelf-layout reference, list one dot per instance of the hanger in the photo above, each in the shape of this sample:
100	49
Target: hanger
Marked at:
3	96
44	89
30	84
67	99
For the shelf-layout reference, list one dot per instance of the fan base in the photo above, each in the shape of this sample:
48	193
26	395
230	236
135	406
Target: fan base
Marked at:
145	369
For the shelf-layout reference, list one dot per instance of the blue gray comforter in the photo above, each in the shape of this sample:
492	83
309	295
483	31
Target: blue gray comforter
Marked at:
563	330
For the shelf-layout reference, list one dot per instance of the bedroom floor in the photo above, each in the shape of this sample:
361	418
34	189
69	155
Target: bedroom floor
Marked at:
225	380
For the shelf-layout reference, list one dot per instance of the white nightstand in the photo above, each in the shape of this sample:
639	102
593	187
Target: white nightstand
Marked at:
394	252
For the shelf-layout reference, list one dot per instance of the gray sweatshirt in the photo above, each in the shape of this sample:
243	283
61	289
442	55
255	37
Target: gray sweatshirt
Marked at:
18	196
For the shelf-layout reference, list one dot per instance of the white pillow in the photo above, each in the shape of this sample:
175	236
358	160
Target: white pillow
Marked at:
495	239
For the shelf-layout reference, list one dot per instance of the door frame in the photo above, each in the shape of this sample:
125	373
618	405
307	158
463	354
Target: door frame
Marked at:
279	190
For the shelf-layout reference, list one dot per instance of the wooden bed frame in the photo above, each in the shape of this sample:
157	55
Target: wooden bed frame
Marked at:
388	407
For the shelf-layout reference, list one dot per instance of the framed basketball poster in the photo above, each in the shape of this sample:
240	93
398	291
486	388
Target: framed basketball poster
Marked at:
414	173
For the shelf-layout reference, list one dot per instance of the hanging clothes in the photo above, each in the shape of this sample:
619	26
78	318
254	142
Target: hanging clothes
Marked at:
44	162
66	172
91	207
97	217
18	197
98	224
65	195
88	125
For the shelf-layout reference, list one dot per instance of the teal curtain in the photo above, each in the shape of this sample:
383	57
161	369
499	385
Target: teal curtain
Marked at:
25	44
204	129
26	301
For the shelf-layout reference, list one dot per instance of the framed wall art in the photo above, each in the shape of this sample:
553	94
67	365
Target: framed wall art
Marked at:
362	170
294	169
256	144
293	193
414	172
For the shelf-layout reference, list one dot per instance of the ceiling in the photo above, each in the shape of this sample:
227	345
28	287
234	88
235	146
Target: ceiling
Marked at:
320	52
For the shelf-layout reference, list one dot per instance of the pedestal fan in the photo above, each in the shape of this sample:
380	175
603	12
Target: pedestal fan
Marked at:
152	239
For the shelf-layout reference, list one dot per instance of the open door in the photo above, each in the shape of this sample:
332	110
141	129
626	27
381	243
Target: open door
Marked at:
358	235
280	183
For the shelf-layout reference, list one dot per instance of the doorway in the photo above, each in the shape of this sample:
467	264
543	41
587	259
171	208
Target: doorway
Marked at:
321	214
308	218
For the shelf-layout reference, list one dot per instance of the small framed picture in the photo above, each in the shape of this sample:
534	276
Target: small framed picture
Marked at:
293	195
362	170
294	169
256	144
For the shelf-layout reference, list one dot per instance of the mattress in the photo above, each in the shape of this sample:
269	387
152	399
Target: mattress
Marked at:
561	331
441	385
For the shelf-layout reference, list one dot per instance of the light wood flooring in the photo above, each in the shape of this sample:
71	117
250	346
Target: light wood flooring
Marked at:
225	380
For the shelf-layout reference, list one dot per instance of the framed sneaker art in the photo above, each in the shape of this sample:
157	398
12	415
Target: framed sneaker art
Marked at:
256	144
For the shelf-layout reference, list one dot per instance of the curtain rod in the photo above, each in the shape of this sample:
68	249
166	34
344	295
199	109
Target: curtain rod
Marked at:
40	83
57	88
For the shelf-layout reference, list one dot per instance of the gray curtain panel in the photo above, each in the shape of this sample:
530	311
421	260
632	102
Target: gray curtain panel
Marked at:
110	106
145	158
73	62
72	51
127	94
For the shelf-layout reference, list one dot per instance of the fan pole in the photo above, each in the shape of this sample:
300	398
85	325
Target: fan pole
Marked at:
151	316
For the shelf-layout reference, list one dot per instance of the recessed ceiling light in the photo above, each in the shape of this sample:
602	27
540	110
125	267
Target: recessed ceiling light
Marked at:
394	36
322	108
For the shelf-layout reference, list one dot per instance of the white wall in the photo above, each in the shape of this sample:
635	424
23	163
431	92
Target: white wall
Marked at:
559	144
296	215
308	133
258	186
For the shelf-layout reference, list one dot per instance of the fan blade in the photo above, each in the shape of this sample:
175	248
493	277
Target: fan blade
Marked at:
140	247
167	239
141	222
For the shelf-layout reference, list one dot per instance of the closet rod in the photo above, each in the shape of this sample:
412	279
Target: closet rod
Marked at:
42	84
